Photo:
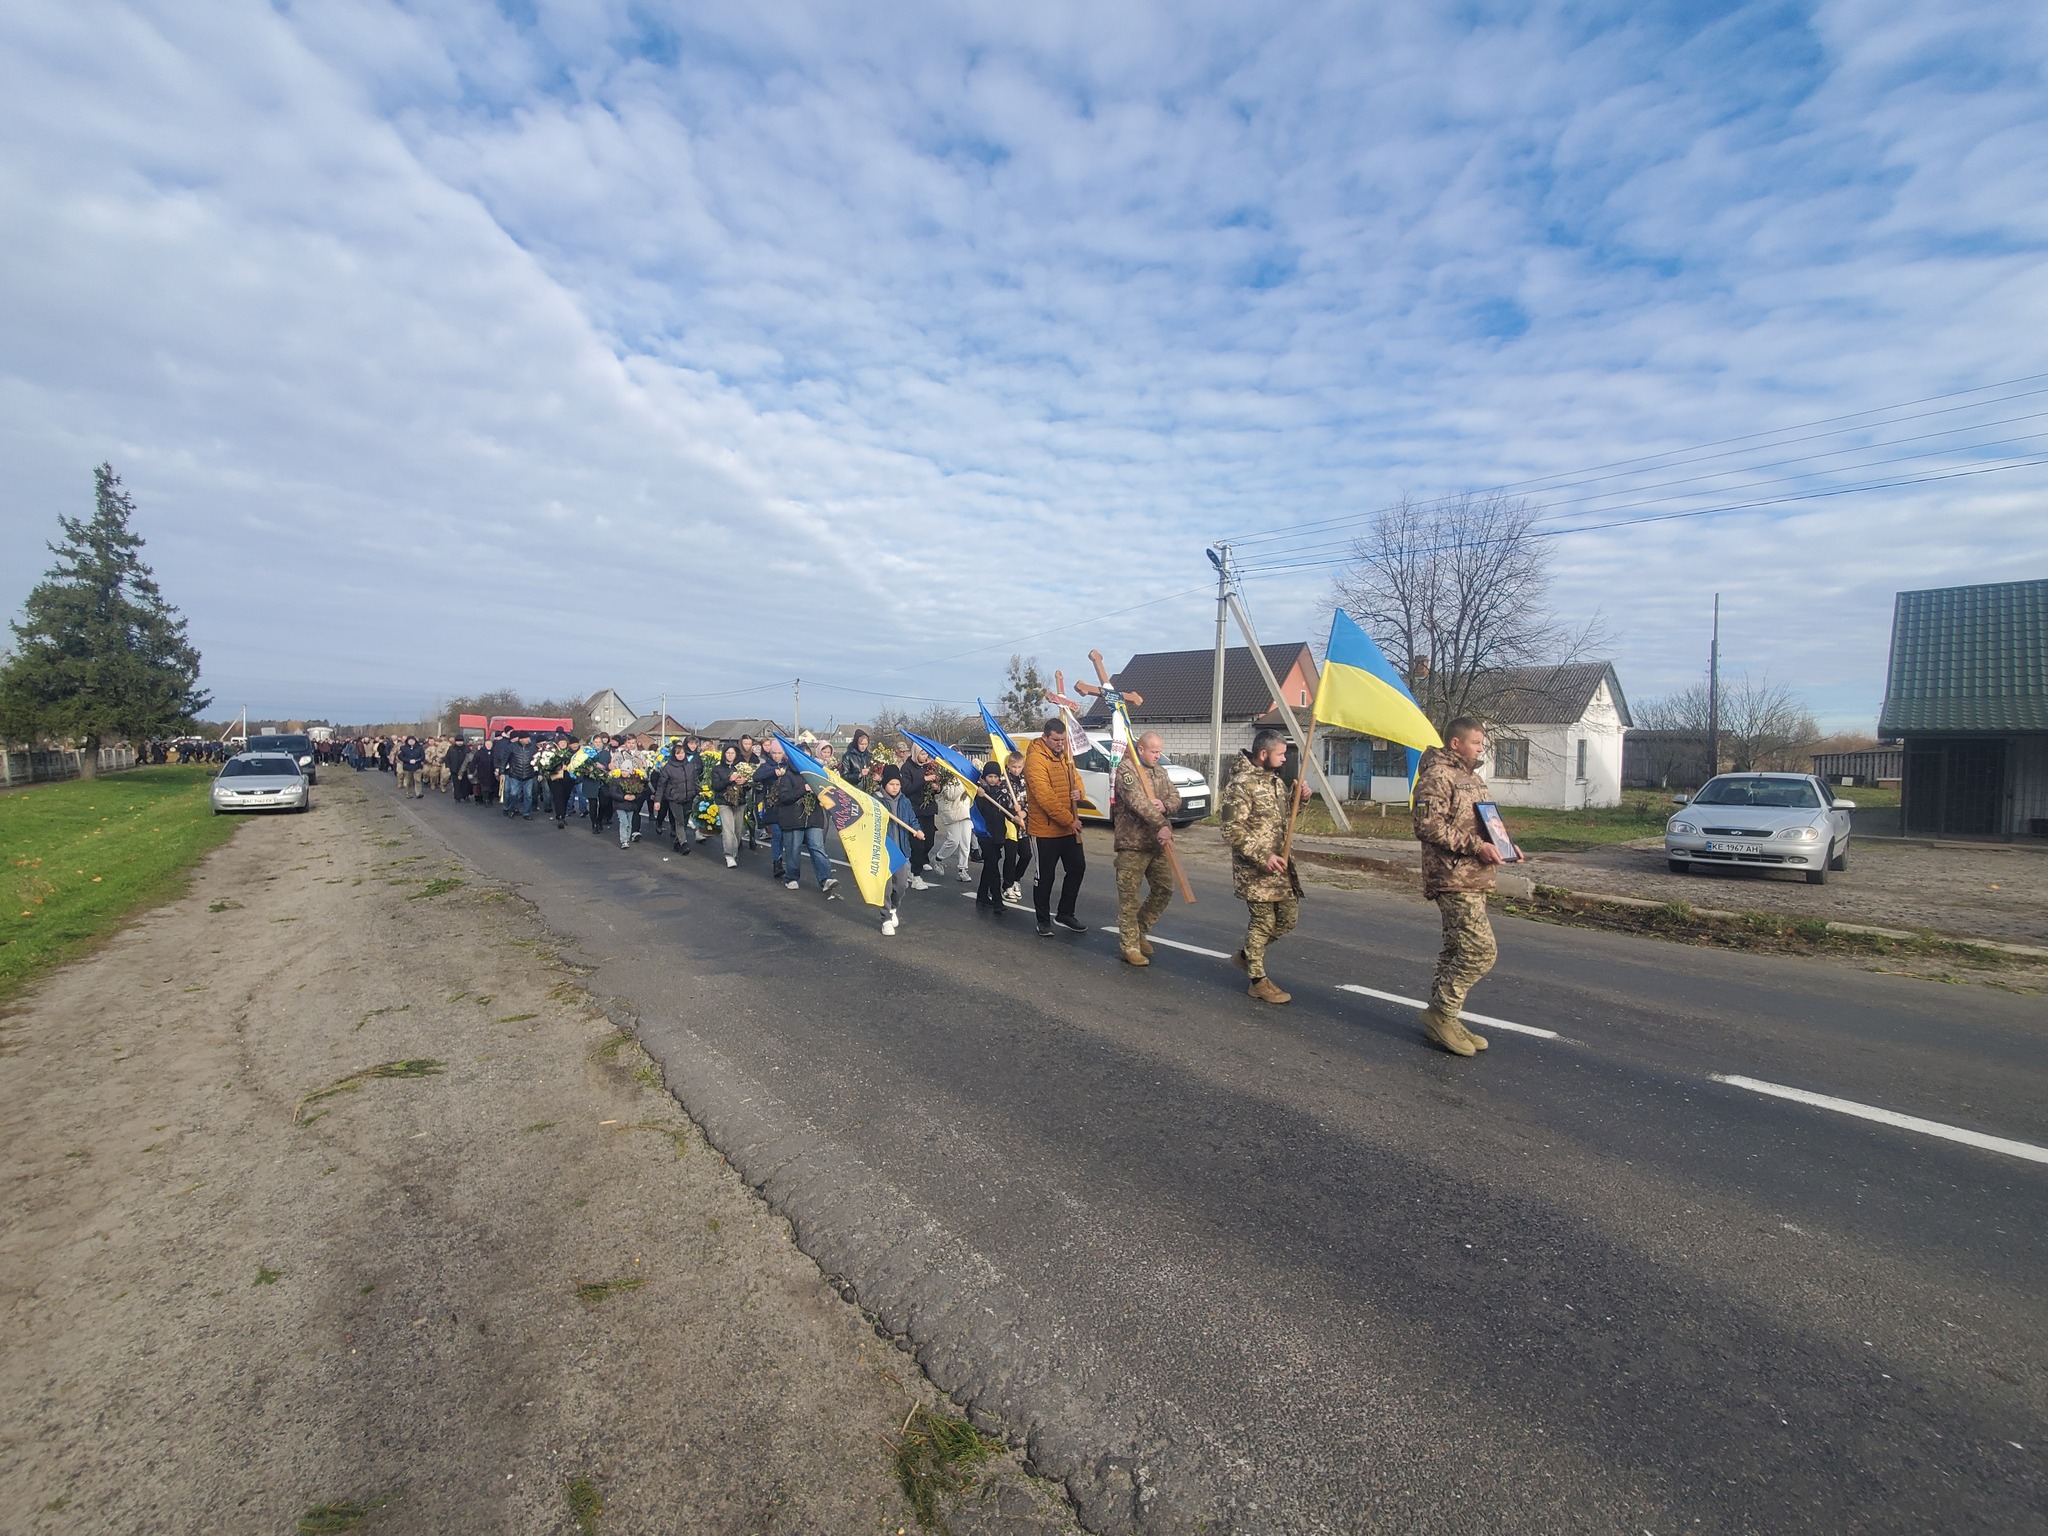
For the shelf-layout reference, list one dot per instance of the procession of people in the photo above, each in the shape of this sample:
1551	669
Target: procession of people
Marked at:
1011	812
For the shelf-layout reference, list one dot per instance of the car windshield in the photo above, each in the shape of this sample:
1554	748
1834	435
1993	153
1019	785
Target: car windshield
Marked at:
1771	794
259	768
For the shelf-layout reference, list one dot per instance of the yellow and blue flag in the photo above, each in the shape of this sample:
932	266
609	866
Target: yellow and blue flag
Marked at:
1360	691
999	744
863	830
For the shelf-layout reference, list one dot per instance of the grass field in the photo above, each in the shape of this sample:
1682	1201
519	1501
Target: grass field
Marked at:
82	857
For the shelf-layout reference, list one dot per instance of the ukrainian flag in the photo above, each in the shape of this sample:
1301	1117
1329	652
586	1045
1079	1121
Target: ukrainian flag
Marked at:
1361	691
863	830
999	744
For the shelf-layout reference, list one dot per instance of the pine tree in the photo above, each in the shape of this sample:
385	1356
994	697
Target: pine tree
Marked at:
98	653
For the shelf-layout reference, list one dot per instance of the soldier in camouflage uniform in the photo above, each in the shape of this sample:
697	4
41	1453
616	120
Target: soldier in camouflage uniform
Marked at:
1458	859
1255	826
1144	827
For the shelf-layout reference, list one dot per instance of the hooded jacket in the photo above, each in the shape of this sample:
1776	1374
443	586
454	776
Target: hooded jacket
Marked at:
1050	784
1447	796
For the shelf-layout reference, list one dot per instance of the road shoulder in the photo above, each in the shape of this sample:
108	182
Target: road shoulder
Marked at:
329	1187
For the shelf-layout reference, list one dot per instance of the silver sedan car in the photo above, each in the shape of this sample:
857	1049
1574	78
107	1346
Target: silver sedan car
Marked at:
261	781
1788	821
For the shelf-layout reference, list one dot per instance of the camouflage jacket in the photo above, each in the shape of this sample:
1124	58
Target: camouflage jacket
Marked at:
1255	826
1447	796
1131	813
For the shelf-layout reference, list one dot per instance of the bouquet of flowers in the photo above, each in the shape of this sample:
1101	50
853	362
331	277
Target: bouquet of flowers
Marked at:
629	781
552	759
742	775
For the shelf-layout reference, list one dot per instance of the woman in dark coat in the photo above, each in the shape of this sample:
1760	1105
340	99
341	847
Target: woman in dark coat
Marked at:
483	778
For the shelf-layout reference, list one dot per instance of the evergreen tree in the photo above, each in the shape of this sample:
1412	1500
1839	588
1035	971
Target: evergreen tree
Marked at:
98	653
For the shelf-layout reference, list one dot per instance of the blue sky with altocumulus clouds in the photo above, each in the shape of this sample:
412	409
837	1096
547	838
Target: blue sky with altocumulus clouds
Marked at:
694	347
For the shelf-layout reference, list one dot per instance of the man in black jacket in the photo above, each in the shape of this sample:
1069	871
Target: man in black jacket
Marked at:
412	757
456	760
518	772
675	791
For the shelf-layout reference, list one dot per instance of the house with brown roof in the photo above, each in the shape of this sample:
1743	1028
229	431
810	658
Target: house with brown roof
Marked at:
1177	690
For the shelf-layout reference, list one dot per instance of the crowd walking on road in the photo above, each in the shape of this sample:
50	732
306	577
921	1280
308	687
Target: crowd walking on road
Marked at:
1012	813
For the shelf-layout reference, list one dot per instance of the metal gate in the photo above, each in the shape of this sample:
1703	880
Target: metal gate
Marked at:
1955	788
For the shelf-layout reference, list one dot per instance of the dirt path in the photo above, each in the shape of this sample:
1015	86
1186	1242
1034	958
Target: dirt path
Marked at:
480	1298
1968	891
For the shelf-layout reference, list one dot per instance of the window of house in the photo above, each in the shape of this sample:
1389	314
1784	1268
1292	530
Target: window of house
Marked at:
1303	700
1582	759
1389	760
1510	758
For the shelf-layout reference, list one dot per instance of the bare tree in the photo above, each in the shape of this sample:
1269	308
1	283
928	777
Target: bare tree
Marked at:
1022	705
1458	590
1763	725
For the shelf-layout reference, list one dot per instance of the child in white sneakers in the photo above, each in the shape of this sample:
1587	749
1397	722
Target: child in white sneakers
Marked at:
897	804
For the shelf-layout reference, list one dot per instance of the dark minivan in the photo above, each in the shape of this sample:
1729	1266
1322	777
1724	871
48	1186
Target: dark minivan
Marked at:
298	744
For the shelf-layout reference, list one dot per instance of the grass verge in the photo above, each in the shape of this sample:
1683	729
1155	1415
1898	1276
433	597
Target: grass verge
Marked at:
83	857
935	1456
1641	813
1925	955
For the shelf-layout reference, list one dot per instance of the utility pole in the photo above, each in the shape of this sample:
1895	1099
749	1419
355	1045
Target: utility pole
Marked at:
796	711
1220	558
1714	695
1312	772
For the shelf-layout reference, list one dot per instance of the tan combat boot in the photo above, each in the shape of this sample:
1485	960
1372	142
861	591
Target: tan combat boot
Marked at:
1478	1040
1266	992
1133	956
1452	1037
1144	946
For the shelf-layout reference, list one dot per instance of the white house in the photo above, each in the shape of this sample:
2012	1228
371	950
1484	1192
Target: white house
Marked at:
1554	736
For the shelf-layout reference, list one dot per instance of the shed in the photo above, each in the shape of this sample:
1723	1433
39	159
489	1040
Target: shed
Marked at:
1967	691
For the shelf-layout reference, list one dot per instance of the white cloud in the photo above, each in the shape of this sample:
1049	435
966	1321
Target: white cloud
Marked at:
702	351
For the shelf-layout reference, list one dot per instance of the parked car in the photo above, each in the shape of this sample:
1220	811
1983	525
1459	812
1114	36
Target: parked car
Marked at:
1093	765
261	781
297	744
1761	821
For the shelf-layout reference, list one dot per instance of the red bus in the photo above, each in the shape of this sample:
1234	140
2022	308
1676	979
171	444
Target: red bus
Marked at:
537	724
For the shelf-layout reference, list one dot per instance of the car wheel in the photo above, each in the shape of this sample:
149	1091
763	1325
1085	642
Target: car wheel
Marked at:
1840	860
1816	877
1680	866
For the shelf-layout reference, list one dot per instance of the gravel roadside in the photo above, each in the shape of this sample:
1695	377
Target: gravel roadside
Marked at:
248	1284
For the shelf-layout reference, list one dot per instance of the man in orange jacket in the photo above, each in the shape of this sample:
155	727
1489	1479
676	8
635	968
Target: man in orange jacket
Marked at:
1053	793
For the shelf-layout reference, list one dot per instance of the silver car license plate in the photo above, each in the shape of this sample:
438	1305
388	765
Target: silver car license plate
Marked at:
1735	848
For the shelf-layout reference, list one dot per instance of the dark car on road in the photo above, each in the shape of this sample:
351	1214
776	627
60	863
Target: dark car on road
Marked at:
297	745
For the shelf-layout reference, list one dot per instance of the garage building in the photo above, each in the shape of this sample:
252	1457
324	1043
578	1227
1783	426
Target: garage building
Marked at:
1967	690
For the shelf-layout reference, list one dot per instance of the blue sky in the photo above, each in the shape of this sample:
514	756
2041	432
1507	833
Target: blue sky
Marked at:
691	348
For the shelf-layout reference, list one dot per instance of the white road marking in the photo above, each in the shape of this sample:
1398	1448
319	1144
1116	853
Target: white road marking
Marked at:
1476	1018
2020	1149
1193	949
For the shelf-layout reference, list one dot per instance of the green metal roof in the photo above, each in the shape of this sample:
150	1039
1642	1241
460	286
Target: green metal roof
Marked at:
1969	659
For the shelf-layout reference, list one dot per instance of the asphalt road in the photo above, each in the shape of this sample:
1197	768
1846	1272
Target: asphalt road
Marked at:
1231	1267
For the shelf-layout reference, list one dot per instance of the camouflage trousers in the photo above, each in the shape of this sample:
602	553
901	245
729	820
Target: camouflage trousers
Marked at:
1270	923
1468	951
1133	869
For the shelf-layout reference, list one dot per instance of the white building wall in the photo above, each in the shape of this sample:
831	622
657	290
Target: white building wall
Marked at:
1553	781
